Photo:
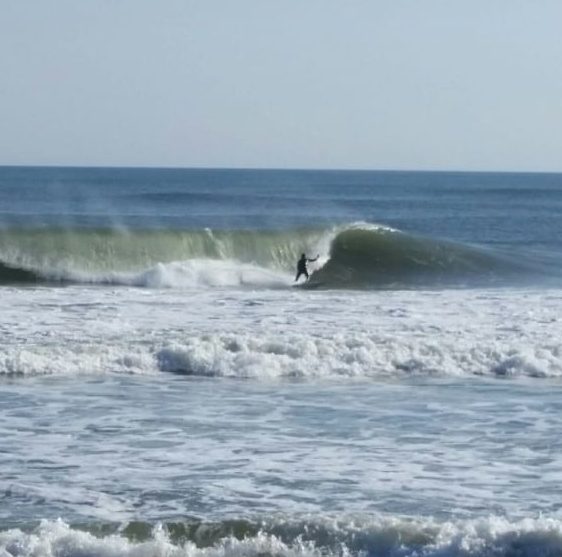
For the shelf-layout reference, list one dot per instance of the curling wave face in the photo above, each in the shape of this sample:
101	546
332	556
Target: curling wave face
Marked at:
358	255
377	256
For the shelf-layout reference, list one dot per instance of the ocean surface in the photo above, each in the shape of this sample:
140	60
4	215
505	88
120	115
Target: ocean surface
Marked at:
166	389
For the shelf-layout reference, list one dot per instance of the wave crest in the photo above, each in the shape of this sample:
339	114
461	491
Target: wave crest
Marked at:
359	255
280	356
382	257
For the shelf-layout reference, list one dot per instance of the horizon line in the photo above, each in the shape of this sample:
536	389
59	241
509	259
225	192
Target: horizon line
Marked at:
272	169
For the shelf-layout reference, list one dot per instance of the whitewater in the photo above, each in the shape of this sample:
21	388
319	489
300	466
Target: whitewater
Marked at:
272	334
167	389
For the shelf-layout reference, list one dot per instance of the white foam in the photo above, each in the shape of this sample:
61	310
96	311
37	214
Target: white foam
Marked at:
216	273
379	535
54	539
280	333
246	355
74	359
184	274
362	225
266	355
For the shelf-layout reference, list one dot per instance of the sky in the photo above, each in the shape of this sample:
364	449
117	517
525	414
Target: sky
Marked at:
366	84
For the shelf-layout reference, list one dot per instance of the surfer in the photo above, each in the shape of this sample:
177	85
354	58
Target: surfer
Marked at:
301	266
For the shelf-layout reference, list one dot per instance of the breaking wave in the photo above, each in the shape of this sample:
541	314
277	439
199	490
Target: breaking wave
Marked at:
379	536
358	255
302	356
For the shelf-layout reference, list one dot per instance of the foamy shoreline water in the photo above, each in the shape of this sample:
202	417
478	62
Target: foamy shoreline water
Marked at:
276	334
165	391
407	467
379	536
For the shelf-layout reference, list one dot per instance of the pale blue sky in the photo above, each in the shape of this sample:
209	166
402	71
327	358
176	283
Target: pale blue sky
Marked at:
377	84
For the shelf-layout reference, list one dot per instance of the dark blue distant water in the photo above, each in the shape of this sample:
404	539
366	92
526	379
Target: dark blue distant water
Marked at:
508	209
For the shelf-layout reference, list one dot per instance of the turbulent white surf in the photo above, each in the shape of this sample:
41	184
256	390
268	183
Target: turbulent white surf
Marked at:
281	332
493	536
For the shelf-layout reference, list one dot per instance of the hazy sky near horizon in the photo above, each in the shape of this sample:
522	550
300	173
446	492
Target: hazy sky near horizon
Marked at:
377	84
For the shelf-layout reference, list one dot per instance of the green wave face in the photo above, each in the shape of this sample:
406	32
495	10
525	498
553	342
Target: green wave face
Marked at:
328	535
363	258
356	256
111	250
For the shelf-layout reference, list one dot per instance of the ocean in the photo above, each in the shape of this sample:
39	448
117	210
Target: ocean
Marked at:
167	389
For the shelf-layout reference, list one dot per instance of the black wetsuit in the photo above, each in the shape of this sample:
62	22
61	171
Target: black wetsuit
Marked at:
301	267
